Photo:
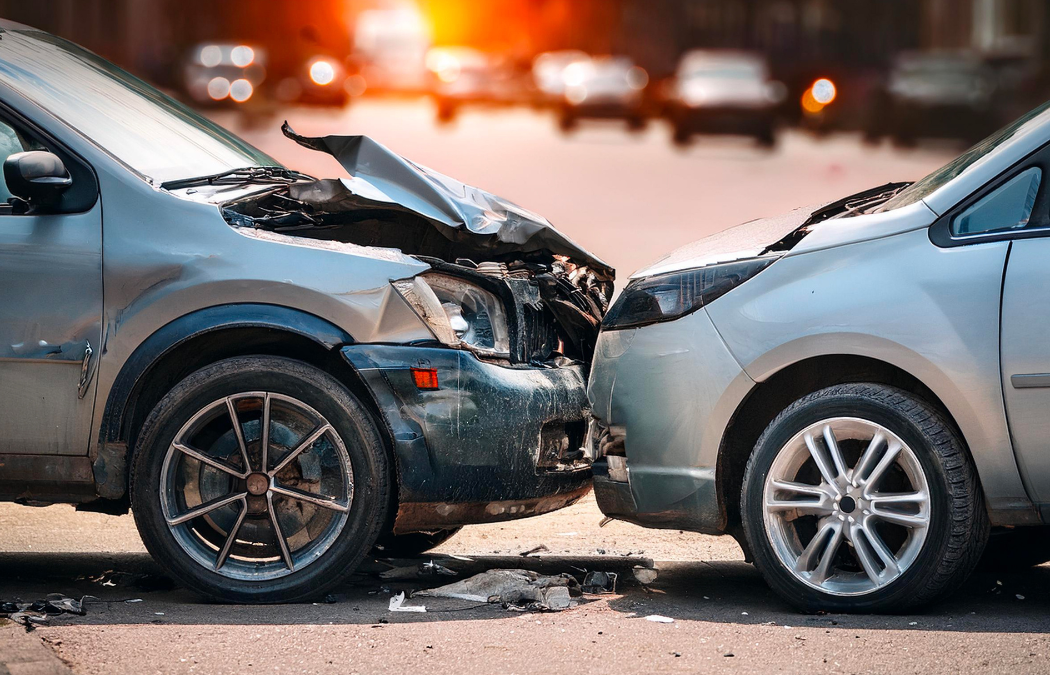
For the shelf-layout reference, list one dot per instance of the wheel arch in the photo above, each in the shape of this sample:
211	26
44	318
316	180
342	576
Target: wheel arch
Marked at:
781	388
193	341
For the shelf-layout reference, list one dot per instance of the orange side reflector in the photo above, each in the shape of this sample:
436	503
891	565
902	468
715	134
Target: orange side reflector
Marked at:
425	378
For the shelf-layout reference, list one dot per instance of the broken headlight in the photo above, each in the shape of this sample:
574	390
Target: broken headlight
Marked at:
458	312
665	297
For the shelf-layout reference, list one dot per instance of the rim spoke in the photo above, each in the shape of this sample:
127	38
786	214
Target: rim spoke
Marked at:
888	458
881	500
306	444
823	569
318	500
888	559
867	460
285	553
265	432
210	461
820	552
818	506
205	508
238	432
833	450
864	556
826	471
231	537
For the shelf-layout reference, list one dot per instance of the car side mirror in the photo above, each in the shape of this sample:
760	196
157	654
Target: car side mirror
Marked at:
37	176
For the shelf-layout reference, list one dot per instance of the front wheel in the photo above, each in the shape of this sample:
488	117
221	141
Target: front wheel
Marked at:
862	498
259	479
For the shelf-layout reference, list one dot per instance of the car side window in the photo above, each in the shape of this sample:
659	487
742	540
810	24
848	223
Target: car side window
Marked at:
1009	207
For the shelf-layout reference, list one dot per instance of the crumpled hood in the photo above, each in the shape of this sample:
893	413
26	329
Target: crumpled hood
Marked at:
746	240
381	178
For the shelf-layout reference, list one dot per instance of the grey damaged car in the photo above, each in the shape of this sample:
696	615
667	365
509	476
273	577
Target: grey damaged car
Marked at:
271	371
856	392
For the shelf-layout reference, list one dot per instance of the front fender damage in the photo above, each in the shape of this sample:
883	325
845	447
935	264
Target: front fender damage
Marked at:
393	206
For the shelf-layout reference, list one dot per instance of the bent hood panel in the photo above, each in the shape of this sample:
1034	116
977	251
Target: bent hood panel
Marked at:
380	178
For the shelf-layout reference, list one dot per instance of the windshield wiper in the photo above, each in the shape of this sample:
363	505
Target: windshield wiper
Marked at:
250	174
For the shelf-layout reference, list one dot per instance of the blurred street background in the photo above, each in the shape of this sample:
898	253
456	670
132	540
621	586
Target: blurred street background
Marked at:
634	125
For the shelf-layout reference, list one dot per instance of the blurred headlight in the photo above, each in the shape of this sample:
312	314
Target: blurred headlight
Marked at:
242	56
666	297
637	78
322	72
458	312
241	90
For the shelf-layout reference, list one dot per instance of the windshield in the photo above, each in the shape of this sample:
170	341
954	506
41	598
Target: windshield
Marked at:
149	132
931	183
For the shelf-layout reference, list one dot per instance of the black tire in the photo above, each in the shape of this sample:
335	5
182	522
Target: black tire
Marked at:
681	136
412	544
637	123
767	138
958	526
1015	550
567	121
368	459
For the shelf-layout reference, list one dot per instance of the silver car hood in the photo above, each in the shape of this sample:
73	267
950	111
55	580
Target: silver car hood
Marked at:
746	240
379	177
792	233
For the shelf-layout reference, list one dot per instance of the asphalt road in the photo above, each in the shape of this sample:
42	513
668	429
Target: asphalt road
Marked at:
629	198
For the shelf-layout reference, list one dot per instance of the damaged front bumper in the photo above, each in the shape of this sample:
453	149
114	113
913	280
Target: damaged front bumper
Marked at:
492	442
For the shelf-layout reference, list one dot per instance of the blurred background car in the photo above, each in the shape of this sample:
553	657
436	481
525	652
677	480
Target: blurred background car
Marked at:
316	79
724	92
940	93
221	73
548	74
465	76
603	87
391	46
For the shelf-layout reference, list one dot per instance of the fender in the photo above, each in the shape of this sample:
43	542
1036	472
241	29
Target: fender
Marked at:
109	456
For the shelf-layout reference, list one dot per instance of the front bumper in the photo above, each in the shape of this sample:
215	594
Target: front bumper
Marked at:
492	443
662	396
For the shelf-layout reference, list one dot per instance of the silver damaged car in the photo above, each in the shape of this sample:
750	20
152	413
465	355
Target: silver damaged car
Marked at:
858	392
275	373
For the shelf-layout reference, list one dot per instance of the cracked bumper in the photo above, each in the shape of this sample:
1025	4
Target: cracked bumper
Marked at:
491	443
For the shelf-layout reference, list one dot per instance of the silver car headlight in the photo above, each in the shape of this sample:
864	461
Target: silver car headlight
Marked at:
459	313
666	297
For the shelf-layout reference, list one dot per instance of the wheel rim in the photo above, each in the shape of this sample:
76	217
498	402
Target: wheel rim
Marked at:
256	486
846	506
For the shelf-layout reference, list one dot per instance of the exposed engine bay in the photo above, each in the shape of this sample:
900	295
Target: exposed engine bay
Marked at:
554	293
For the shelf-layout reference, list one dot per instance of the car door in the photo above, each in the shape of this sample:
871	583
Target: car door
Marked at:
50	309
1025	320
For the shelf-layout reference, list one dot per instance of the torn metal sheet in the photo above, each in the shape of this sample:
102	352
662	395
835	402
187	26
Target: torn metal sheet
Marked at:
397	604
519	588
40	612
384	179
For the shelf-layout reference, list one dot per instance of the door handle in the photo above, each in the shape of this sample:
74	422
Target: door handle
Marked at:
84	371
1030	381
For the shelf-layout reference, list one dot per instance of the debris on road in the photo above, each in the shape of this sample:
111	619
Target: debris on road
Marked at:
656	618
40	612
644	575
514	588
598	583
542	548
397	604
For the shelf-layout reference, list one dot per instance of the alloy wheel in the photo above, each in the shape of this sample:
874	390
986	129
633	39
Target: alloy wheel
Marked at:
256	486
846	506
